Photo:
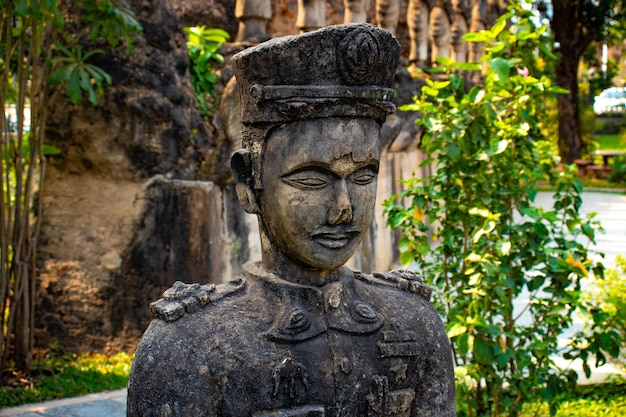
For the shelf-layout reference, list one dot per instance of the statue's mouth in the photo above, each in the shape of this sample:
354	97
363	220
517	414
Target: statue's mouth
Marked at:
335	237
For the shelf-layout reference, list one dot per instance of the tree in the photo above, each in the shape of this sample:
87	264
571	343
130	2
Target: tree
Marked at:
37	52
577	25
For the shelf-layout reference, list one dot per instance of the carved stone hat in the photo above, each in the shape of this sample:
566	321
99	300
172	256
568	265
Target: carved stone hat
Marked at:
341	70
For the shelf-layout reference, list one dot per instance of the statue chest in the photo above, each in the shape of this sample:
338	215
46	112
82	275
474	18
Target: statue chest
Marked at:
334	373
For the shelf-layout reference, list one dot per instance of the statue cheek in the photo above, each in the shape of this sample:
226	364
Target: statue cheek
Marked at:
364	195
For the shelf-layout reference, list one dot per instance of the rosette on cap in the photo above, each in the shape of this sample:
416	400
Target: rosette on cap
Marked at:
342	70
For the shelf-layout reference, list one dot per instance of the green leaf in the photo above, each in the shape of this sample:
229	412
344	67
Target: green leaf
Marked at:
558	90
477	211
479	96
482	36
73	87
475	279
498	27
456	329
500	146
440	85
464	343
505	357
84	80
501	67
474	257
408	107
433	92
21	9
406	258
483	353
405	244
503	247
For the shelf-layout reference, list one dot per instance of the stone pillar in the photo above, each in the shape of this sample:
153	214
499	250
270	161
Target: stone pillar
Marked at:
253	16
460	26
440	34
387	14
477	23
418	18
355	11
311	15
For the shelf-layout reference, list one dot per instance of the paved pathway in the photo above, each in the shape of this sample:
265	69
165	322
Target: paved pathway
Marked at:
105	404
611	209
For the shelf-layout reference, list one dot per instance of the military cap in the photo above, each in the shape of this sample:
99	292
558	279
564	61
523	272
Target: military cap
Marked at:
336	71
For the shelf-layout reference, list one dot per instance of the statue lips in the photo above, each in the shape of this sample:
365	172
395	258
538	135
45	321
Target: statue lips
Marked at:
335	237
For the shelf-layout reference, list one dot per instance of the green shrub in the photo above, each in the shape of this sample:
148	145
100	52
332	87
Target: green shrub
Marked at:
606	299
474	231
203	46
618	174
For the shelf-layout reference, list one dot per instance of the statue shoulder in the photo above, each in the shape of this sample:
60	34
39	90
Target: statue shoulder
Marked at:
183	298
402	279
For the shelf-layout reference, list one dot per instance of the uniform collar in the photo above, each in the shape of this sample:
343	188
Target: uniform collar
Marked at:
306	311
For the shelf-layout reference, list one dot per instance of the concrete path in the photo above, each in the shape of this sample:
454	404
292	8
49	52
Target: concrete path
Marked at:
105	404
611	209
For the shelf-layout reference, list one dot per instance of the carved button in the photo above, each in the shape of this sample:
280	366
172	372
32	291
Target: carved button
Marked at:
297	322
334	299
363	313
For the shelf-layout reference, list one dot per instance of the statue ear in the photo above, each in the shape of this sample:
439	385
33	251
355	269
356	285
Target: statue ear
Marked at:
241	164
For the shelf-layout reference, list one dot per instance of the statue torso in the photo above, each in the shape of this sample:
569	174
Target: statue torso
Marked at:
361	346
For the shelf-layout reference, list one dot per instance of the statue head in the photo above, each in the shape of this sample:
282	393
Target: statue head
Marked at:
312	106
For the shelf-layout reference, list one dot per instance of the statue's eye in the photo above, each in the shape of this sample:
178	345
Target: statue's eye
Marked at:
308	179
363	177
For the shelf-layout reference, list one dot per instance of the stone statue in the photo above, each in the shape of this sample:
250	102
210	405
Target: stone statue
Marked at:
299	334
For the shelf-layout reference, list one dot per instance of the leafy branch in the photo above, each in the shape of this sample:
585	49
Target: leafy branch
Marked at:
474	230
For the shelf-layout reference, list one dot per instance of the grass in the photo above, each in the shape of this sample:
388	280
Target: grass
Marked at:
600	400
611	142
593	184
63	374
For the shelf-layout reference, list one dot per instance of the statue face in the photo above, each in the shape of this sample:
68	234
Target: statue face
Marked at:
319	188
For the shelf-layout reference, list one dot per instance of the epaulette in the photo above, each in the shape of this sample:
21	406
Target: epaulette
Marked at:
184	298
399	278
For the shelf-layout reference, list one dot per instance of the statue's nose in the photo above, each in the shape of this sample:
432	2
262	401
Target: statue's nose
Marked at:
340	211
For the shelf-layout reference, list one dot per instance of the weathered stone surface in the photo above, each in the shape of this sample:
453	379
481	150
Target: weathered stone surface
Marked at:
85	222
145	125
210	14
189	230
299	334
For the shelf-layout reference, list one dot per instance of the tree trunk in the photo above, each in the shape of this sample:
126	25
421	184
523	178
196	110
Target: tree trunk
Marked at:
569	37
570	142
